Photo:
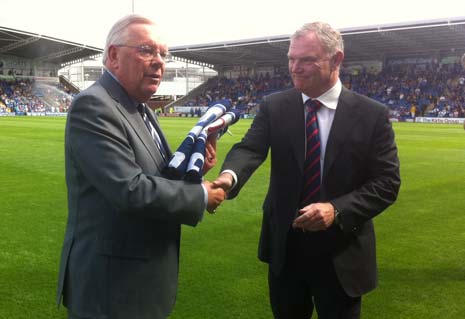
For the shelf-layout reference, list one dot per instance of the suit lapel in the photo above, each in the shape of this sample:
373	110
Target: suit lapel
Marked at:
154	119
346	117
126	107
295	127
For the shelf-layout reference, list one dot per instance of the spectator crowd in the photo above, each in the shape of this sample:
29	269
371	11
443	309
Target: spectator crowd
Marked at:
409	90
22	96
434	90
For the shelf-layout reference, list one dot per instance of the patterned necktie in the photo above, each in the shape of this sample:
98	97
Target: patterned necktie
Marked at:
153	132
312	167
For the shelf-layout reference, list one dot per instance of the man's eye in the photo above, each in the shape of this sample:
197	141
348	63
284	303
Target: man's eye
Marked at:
308	60
146	50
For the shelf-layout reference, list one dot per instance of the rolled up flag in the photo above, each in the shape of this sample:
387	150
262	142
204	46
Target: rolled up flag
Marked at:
177	165
197	158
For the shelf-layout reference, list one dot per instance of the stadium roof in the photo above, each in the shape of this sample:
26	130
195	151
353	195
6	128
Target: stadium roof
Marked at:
424	38
43	49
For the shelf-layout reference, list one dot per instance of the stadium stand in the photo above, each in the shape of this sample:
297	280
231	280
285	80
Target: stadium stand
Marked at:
411	67
414	68
29	64
428	89
23	97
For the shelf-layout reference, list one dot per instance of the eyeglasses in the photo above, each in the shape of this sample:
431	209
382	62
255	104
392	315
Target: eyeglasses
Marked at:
146	52
307	60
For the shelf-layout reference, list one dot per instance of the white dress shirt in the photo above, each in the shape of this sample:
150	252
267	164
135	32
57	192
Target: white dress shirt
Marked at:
325	115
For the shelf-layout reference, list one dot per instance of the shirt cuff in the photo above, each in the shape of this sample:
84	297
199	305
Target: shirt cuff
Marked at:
233	175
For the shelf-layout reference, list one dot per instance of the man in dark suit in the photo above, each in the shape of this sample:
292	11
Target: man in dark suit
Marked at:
317	232
121	247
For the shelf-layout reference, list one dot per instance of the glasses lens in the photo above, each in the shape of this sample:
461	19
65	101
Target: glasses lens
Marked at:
146	52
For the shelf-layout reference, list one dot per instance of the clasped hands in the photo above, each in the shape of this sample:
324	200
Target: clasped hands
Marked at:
218	190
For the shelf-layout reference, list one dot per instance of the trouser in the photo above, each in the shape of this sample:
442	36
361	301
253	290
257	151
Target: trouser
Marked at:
309	283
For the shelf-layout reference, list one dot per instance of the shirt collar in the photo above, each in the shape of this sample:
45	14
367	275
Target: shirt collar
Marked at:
330	98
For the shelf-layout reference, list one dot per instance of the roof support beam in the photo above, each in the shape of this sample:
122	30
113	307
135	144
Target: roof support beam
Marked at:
59	54
18	44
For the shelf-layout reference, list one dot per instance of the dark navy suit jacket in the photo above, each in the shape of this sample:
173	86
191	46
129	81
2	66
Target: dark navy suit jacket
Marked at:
360	178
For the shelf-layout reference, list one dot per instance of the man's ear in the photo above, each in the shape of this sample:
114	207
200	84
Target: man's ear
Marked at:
112	58
336	60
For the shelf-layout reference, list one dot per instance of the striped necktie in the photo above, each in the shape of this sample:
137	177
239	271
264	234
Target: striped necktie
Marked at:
312	166
142	108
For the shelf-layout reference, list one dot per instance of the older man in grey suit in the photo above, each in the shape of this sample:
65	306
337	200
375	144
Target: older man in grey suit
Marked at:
121	248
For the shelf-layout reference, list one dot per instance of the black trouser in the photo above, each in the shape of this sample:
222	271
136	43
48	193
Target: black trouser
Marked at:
309	282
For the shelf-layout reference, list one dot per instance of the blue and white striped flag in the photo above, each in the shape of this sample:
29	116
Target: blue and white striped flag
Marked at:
197	158
187	162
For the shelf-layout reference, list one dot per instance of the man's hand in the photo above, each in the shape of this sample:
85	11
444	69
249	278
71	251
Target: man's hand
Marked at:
224	181
210	154
315	217
216	195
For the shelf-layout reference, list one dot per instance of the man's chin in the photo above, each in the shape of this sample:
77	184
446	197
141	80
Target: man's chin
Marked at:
147	94
299	86
151	89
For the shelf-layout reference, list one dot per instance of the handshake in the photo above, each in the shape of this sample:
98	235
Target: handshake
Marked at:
217	191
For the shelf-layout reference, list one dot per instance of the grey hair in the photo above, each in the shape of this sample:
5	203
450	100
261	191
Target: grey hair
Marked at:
118	33
329	37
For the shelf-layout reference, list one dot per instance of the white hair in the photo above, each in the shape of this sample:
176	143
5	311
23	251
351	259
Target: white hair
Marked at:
329	37
118	33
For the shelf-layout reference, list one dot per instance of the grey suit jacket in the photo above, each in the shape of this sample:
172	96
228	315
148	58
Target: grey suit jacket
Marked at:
121	246
361	178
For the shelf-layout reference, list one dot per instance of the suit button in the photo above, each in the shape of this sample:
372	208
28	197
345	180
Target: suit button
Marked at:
354	229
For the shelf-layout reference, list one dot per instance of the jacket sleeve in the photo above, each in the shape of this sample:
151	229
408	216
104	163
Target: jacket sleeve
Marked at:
247	155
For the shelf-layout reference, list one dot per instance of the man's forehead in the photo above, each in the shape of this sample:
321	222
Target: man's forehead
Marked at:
305	46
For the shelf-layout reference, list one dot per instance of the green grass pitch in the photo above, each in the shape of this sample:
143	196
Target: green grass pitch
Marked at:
420	240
